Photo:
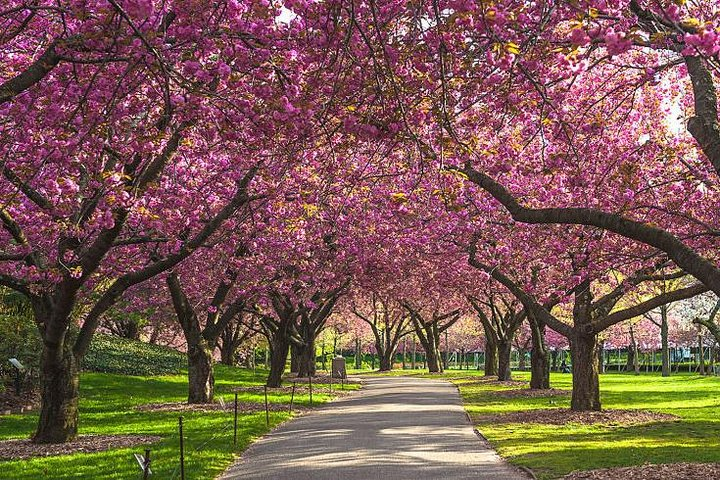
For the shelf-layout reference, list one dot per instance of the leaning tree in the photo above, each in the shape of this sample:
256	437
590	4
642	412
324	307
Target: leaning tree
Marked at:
127	141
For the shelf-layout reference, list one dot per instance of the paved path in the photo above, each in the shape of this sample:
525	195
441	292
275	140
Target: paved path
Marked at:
395	428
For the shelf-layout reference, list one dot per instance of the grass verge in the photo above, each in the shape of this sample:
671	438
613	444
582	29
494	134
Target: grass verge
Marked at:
552	451
107	406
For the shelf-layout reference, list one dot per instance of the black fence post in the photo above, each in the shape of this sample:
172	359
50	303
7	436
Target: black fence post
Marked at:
267	409
292	397
235	423
310	383
146	464
182	450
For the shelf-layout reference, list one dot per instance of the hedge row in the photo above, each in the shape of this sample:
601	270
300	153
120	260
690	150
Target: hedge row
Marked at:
112	354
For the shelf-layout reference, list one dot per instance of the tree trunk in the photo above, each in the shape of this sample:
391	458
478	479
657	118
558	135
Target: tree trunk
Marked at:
227	354
60	381
664	343
630	363
701	356
539	370
201	380
586	383
386	360
279	348
504	349
295	355
358	355
522	362
412	362
432	355
539	364
306	360
555	354
491	359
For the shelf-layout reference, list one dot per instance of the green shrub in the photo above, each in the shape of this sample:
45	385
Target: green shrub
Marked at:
19	337
112	354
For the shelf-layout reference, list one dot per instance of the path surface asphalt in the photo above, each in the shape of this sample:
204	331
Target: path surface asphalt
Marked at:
395	428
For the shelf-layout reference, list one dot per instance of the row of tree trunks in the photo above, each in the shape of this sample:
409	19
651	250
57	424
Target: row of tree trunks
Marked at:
428	329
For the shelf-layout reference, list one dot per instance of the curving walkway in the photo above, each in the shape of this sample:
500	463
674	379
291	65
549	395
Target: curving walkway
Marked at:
395	428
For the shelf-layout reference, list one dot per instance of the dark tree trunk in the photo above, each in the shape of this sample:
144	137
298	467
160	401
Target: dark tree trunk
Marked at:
555	354
539	364
586	382
295	355
279	348
155	335
228	353
358	354
201	380
491	357
59	380
630	363
701	356
665	346
386	360
522	362
432	355
306	360
412	361
539	370
504	349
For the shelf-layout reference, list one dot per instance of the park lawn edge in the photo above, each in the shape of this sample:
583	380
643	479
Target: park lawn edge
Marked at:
552	451
107	406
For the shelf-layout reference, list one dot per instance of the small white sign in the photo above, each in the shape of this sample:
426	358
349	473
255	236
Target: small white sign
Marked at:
141	461
16	363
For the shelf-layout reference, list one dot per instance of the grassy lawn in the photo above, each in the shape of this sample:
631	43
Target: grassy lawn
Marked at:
107	407
552	451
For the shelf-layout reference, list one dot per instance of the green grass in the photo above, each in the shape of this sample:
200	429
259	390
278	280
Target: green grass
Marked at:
107	407
552	451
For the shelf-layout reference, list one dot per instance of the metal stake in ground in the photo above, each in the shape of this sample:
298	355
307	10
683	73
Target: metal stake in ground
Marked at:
267	409
292	397
235	423
146	466
182	450
310	384
144	463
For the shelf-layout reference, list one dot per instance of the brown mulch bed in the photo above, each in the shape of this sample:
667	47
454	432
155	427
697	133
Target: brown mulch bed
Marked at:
243	407
531	393
21	449
300	389
495	381
11	403
652	472
322	379
563	416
